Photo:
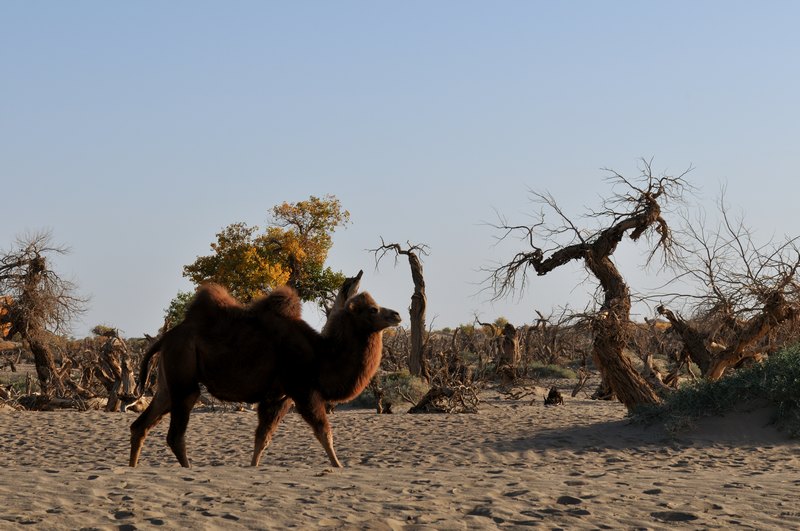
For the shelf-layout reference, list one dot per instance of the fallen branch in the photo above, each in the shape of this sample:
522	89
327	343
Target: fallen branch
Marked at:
457	399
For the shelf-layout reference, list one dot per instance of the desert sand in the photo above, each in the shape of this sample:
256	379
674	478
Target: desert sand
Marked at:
514	464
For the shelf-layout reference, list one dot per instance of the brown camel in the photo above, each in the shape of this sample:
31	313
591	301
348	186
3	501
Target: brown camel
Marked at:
262	353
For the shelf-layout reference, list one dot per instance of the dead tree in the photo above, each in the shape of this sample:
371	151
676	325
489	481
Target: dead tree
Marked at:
748	289
503	348
419	301
114	370
42	302
557	336
509	350
635	212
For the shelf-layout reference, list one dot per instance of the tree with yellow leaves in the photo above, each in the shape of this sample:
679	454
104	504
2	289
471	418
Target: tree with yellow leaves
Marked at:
292	250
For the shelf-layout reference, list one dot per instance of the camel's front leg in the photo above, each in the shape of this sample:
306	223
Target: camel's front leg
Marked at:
270	414
313	411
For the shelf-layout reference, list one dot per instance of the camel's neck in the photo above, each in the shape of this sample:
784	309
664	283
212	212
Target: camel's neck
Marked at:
353	360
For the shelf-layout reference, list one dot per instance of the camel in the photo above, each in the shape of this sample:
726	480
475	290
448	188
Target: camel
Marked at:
262	353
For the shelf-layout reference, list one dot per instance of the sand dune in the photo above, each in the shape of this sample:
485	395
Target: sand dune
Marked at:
512	465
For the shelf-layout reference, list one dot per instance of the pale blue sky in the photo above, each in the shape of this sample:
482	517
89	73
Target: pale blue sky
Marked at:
137	130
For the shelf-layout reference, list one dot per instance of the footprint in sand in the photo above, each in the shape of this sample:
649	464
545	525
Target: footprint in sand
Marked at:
673	516
569	500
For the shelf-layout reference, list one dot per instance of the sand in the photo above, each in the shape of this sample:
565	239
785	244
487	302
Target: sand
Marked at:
512	465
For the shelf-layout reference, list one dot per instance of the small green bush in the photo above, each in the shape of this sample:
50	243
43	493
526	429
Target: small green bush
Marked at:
16	380
539	370
777	381
394	385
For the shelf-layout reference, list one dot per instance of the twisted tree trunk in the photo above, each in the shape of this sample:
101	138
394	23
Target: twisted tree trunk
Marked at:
610	336
694	344
419	303
776	310
46	370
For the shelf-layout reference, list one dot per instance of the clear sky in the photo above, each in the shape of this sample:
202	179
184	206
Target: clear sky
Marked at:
135	131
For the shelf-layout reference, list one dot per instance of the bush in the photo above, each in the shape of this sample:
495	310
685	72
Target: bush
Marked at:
539	370
777	381
394	385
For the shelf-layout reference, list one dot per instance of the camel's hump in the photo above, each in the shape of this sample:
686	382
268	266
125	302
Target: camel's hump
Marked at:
282	301
214	294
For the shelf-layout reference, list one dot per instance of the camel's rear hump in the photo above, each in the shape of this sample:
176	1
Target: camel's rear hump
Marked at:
283	301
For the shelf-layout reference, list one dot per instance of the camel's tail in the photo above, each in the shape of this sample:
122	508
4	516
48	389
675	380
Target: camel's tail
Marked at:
144	369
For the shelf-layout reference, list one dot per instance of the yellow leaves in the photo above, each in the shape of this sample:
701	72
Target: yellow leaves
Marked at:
240	263
5	325
292	250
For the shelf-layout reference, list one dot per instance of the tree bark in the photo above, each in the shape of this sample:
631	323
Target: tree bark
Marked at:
419	303
610	336
776	310
694	344
508	353
45	366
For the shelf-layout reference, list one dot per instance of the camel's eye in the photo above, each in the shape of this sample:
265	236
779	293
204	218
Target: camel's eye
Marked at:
373	310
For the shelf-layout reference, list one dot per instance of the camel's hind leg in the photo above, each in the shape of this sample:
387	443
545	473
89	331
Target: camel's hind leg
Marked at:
269	416
158	407
178	421
313	411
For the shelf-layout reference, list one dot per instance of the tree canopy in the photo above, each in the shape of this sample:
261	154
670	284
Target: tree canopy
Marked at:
291	250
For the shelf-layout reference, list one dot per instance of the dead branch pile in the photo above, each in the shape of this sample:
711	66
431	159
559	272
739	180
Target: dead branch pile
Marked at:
94	373
452	387
452	399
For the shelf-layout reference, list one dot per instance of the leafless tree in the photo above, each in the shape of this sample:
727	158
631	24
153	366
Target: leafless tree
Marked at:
636	211
558	336
419	301
746	290
41	301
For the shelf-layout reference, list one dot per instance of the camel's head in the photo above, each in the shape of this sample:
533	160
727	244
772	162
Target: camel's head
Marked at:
369	315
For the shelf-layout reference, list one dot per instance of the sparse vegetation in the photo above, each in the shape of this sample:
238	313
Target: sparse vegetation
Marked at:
538	370
776	381
398	387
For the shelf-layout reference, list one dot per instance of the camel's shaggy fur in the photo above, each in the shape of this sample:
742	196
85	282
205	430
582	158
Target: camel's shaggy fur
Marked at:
262	353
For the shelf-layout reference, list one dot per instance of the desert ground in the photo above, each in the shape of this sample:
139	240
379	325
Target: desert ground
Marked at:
514	464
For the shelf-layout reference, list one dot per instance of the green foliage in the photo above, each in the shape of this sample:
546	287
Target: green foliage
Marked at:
176	310
292	250
105	331
777	381
539	370
241	262
15	380
394	385
467	329
501	322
